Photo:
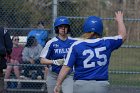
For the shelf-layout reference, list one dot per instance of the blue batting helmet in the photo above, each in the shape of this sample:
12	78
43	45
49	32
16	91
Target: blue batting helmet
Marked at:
93	24
62	20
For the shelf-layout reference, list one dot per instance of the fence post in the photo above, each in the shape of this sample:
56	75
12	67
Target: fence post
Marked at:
54	16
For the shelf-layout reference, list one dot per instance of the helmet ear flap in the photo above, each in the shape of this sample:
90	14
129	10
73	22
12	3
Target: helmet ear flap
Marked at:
56	30
69	30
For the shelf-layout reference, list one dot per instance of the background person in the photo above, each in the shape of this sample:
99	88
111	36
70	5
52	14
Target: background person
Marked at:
16	58
31	55
5	48
90	57
54	53
40	33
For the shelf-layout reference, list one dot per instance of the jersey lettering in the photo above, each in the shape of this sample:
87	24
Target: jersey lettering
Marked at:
97	55
62	50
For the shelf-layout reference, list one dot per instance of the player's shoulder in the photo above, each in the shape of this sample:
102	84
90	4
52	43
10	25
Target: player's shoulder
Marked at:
54	39
76	38
80	40
77	42
112	37
72	39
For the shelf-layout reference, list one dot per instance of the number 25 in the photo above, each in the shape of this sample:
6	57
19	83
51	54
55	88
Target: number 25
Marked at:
97	54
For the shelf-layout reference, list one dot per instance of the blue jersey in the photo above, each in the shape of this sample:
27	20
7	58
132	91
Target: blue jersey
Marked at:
90	57
56	49
40	34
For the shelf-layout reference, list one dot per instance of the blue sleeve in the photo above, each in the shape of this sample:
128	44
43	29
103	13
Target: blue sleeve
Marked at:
71	57
115	42
49	52
46	52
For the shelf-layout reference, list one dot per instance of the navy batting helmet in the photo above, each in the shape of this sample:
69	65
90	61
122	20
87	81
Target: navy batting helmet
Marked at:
93	24
62	20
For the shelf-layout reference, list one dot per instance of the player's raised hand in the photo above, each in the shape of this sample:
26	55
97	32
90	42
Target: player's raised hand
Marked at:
119	16
121	26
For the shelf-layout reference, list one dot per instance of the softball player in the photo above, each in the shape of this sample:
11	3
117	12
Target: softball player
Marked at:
54	54
90	57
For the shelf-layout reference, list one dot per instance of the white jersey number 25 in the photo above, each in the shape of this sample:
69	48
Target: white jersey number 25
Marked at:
91	55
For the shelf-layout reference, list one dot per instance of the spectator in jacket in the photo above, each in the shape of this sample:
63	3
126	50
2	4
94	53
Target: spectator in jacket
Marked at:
40	33
5	48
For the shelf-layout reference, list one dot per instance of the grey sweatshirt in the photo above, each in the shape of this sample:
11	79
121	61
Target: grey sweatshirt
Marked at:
32	52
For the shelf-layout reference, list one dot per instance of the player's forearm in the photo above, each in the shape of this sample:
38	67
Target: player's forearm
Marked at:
46	61
122	30
63	73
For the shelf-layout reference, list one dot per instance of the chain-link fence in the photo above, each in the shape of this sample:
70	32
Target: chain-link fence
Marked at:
21	16
124	64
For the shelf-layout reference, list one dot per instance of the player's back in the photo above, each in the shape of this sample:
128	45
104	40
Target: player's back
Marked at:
92	57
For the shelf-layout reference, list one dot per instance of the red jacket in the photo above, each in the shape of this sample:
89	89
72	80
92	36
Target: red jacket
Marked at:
17	53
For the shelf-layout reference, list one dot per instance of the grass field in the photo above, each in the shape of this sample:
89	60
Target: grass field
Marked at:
125	79
125	59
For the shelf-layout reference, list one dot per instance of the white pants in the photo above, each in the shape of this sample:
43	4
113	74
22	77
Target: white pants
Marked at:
67	85
91	86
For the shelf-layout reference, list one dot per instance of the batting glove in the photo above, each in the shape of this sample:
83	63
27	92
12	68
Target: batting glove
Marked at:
58	62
